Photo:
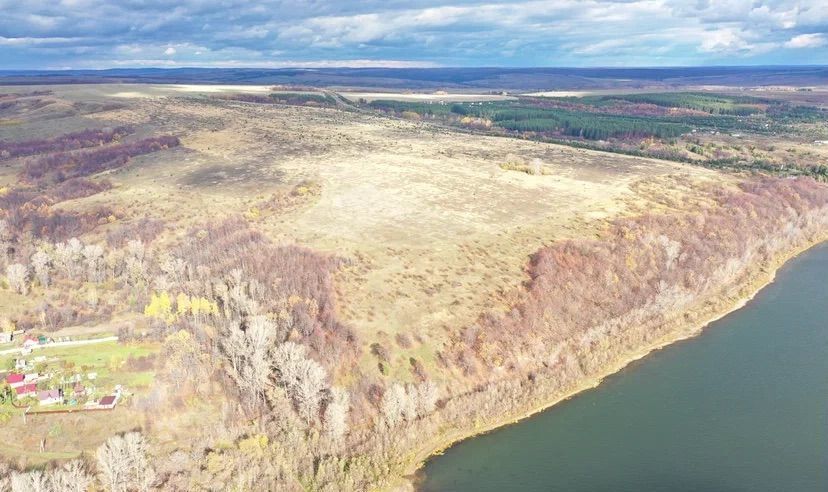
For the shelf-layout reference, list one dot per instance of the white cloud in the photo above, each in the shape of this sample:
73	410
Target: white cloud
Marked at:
450	32
305	64
730	41
814	40
30	41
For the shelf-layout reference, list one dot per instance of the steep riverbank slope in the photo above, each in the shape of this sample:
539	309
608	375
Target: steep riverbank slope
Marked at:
594	307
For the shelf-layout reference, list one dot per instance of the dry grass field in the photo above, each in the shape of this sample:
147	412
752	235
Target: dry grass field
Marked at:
434	230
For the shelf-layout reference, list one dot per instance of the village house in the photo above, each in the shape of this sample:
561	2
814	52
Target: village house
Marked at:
6	336
50	397
29	343
107	402
15	379
25	390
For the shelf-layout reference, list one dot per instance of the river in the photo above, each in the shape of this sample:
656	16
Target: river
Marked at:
742	407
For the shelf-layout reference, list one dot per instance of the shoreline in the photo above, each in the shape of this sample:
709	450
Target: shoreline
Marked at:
757	281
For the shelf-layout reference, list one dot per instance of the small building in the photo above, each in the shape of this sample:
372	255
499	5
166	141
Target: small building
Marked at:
25	390
50	397
20	364
108	401
29	342
6	336
15	379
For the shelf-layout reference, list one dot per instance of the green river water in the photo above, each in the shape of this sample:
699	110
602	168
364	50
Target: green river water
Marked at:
742	407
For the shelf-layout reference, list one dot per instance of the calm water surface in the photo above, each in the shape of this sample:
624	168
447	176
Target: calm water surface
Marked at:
743	407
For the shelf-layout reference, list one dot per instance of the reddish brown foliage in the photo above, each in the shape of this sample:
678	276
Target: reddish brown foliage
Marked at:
644	270
63	143
29	211
62	166
77	188
280	272
7	96
145	229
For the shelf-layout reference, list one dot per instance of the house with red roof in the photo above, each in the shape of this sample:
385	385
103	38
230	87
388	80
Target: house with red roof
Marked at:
108	402
15	379
26	390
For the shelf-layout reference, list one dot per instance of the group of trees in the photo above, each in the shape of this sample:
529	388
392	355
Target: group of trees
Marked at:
520	117
63	143
289	98
58	170
58	167
71	259
122	464
593	126
407	403
708	103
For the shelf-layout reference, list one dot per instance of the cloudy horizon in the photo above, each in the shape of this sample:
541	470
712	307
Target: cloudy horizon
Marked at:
96	34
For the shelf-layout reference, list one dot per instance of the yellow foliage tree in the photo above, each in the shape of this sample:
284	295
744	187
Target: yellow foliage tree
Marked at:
160	307
254	445
182	304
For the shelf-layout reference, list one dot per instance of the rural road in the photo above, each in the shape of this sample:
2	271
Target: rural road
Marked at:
63	344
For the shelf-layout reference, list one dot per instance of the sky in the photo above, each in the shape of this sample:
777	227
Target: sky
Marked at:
79	34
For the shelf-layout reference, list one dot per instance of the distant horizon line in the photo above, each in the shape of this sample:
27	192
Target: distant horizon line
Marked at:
443	67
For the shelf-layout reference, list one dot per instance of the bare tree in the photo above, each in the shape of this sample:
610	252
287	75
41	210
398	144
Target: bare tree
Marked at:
303	378
336	413
135	267
409	403
258	339
393	405
93	257
69	256
18	276
5	240
175	269
135	249
427	395
41	263
286	358
123	463
248	349
33	481
5	476
308	394
237	296
73	477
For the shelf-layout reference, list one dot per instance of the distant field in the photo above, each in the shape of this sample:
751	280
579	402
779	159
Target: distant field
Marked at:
403	96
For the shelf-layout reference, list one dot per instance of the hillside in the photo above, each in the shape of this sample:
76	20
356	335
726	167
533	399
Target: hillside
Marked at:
312	295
